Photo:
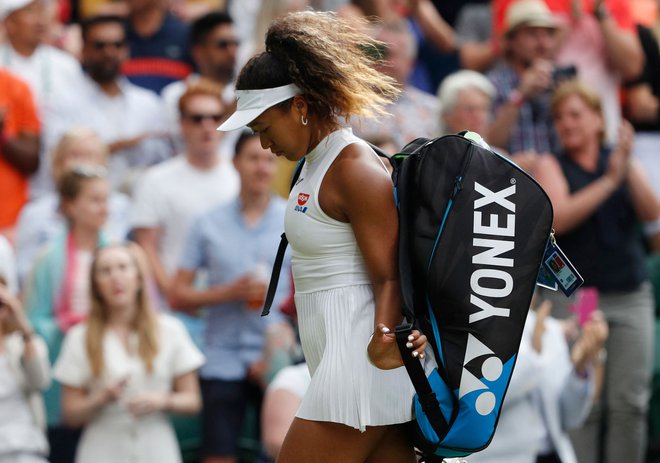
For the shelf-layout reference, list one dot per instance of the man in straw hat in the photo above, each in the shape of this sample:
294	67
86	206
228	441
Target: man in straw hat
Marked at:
524	79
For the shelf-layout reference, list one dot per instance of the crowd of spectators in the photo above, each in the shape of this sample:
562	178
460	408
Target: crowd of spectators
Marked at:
136	240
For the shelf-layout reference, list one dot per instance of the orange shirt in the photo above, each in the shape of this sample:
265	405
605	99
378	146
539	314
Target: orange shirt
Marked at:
17	103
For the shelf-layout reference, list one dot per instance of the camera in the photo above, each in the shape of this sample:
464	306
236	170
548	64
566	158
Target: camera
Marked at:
563	73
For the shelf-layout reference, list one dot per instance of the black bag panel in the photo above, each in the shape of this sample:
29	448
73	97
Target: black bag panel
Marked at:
501	280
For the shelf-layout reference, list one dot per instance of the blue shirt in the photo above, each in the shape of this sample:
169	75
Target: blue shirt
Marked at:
227	248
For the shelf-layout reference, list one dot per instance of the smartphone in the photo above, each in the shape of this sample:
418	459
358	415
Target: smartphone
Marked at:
586	303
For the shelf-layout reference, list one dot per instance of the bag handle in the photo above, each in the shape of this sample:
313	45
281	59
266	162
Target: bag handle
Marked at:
425	395
281	250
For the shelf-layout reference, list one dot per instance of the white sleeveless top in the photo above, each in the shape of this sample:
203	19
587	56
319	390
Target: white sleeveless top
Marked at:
325	253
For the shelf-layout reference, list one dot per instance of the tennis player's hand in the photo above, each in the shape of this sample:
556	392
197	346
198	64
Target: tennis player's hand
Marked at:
384	353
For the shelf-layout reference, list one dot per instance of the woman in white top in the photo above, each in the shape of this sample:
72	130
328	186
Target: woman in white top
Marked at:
24	373
342	223
126	367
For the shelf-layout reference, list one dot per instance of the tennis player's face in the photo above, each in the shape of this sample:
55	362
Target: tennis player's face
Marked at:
282	132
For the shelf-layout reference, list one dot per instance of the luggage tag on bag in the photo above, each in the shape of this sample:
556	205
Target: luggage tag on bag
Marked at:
557	271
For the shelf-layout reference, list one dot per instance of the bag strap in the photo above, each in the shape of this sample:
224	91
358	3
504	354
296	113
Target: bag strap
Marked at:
281	250
425	395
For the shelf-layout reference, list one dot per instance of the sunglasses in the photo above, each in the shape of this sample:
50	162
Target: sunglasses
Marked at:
88	171
200	118
100	45
223	44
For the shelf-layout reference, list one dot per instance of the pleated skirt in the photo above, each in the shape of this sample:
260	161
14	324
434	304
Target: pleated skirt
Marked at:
335	327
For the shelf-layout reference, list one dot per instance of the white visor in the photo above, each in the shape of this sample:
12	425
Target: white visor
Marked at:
251	103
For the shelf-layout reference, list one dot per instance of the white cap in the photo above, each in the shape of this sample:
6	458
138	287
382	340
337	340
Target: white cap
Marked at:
7	7
251	103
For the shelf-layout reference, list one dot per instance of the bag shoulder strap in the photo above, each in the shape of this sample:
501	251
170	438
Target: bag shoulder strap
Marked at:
281	250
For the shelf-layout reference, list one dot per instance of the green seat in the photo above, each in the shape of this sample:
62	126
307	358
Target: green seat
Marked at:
189	434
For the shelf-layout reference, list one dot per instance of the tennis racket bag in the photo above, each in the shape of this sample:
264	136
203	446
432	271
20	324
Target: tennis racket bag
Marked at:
473	228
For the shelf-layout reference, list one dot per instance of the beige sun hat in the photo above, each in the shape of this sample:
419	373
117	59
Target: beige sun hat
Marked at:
529	13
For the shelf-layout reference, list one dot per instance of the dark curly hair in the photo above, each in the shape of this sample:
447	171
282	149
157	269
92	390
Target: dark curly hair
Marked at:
332	62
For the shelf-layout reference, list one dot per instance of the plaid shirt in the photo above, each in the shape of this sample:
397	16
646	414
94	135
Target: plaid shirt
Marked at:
534	130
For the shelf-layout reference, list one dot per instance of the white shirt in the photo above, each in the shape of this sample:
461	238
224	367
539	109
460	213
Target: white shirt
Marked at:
134	111
171	195
114	434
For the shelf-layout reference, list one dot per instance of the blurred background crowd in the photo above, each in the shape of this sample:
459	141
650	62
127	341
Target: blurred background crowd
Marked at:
136	240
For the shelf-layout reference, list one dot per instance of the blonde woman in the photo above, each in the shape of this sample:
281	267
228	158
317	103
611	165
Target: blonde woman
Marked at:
126	367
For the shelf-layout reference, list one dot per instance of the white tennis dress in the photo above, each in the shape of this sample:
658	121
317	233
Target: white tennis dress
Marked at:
335	304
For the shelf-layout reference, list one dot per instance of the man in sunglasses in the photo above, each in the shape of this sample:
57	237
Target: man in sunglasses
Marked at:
169	196
127	117
213	46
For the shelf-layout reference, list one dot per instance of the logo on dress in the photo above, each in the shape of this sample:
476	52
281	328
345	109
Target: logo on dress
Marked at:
302	200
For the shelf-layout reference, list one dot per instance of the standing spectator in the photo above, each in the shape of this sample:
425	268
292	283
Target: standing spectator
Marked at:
128	118
213	47
414	114
642	105
171	195
524	80
24	373
56	292
48	71
41	219
598	193
19	148
600	41
126	367
158	41
232	242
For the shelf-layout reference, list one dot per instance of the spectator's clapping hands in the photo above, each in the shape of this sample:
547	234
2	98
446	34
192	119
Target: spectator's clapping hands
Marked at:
619	162
145	403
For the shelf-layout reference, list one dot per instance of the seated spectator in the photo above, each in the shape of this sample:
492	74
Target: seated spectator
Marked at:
56	291
41	219
129	118
24	373
551	391
235	244
598	194
281	401
126	367
466	98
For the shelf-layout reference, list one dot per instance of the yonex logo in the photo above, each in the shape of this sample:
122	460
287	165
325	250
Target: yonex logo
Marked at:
489	283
